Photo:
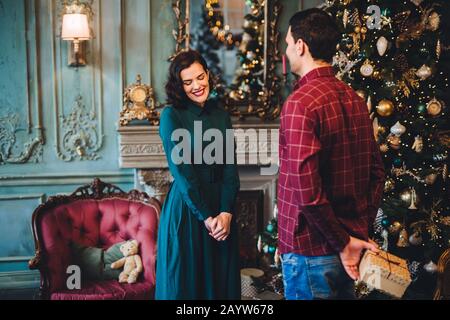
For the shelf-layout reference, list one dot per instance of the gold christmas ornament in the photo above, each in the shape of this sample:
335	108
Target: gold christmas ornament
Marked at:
361	93
418	144
394	141
367	68
405	196
434	107
438	49
369	104
277	258
445	172
385	108
414	200
363	32
382	45
410	198
431	178
433	21
376	75
424	72
415	239
395	227
403	239
417	2
389	185
376	127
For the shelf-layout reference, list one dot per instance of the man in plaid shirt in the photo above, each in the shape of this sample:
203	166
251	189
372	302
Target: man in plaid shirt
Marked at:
331	174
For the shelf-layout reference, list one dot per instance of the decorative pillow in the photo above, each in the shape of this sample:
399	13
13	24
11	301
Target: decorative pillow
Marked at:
95	263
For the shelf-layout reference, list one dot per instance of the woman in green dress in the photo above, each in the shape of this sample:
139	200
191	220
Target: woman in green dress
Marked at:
197	255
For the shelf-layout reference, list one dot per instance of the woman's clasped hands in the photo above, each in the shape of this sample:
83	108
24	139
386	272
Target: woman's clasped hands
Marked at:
219	226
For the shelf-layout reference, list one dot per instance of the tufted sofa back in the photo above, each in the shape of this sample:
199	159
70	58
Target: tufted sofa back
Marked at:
92	222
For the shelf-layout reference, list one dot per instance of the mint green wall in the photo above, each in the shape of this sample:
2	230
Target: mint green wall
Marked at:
42	101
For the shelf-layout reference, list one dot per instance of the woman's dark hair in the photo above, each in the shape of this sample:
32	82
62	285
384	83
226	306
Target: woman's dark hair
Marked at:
319	30
174	86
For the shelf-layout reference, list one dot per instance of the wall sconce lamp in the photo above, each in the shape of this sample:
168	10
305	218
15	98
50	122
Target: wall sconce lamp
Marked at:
75	28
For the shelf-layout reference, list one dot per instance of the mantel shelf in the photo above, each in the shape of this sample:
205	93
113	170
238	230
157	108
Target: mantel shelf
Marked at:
141	147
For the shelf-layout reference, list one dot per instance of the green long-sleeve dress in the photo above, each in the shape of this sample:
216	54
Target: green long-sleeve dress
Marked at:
190	263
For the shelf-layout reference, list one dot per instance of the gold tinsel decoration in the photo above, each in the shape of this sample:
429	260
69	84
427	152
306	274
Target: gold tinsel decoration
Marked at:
433	230
410	78
409	81
384	148
432	227
403	88
445	221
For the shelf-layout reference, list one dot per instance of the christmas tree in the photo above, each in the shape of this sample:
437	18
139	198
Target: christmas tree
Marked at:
248	85
212	36
267	242
395	55
267	246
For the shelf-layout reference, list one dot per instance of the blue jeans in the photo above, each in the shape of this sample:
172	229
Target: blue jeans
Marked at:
321	277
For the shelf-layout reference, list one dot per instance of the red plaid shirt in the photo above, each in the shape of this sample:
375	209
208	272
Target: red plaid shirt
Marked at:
331	174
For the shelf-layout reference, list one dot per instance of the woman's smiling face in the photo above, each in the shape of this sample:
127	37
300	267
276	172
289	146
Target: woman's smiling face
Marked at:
196	83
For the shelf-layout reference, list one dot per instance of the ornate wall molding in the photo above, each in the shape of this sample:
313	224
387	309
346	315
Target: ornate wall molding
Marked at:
142	149
78	142
9	128
12	132
80	139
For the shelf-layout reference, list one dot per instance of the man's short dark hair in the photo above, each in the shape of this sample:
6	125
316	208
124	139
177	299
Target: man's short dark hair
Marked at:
318	30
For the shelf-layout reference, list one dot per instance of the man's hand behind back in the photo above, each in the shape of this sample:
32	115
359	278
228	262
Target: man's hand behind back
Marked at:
351	255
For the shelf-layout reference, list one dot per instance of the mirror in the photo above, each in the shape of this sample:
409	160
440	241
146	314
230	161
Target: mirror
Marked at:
239	40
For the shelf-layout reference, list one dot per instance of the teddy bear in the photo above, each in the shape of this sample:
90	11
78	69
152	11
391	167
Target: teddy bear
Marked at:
131	262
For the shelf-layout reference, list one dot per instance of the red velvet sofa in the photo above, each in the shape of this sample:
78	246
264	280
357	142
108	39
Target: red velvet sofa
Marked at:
96	215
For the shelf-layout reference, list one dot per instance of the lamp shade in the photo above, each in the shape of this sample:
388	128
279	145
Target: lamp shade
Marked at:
75	26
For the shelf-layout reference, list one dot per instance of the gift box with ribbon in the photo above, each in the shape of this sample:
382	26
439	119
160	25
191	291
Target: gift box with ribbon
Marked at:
385	272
